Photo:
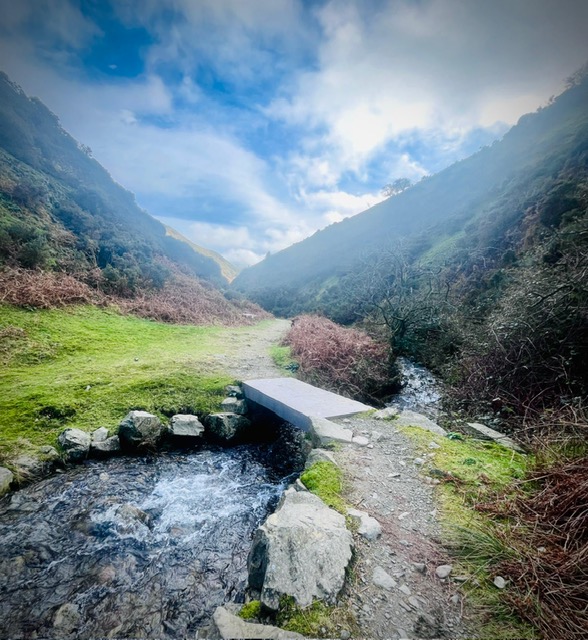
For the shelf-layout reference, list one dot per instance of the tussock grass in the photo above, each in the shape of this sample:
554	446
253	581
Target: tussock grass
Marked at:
86	367
318	620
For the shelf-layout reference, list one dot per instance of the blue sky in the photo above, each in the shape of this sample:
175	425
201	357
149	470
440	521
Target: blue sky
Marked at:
249	124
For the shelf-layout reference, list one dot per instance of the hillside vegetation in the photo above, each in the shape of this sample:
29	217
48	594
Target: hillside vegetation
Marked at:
61	213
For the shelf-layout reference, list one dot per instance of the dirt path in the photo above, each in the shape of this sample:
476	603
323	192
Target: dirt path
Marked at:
396	593
247	351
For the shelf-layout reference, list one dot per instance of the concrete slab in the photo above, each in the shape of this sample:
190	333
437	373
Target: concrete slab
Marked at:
297	402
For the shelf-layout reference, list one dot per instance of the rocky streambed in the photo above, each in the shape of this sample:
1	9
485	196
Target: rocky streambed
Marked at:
134	547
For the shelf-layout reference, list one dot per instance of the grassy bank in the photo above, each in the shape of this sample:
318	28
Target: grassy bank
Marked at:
87	367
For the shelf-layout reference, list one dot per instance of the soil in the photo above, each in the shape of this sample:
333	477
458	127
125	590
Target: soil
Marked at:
383	480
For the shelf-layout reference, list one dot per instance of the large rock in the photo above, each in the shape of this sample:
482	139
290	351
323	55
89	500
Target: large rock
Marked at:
234	405
408	418
75	444
140	430
186	426
100	434
492	434
6	479
320	455
106	448
302	550
29	468
323	431
227	427
228	627
368	527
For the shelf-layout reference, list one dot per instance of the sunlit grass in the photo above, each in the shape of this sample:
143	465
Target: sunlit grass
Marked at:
87	367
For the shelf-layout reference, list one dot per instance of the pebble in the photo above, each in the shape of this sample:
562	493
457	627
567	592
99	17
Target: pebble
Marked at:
420	567
345	635
414	603
405	590
434	445
419	461
455	599
444	570
499	582
382	579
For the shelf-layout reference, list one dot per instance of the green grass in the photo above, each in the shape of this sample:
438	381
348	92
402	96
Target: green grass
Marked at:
325	480
250	610
86	367
471	472
283	358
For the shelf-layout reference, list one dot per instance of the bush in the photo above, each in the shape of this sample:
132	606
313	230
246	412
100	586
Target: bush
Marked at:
345	360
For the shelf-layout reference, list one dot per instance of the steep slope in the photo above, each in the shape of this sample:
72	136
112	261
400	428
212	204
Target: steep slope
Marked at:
437	210
60	209
228	271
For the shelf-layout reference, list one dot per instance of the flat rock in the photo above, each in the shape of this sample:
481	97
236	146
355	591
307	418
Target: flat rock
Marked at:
186	426
229	626
408	418
360	441
140	430
6	478
324	431
498	437
234	405
100	434
383	579
302	550
369	527
297	402
319	455
106	448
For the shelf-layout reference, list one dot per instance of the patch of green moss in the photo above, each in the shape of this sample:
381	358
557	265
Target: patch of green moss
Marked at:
251	610
325	480
317	620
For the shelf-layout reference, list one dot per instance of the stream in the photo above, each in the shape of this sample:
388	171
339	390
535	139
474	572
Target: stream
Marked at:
133	547
421	391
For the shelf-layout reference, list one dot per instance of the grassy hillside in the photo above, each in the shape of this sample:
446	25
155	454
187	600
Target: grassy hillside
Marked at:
87	367
61	210
436	210
228	271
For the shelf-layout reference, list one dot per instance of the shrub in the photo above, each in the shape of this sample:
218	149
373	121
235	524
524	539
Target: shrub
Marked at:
345	360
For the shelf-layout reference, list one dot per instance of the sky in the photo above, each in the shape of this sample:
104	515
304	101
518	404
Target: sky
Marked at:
249	124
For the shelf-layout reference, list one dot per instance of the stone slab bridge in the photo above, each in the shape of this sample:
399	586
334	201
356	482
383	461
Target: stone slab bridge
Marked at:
305	406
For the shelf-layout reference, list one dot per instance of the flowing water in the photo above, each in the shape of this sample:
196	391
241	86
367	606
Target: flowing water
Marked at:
133	547
421	391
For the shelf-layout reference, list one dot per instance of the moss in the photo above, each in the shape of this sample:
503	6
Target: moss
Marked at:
251	610
325	480
470	472
318	620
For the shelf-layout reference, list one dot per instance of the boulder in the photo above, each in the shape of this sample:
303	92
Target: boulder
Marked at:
227	427
302	550
6	479
75	444
369	528
29	468
228	626
408	418
186	426
319	455
100	434
323	431
140	430
106	448
234	405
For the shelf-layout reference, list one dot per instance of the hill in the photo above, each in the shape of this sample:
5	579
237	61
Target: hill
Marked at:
71	212
61	213
430	217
